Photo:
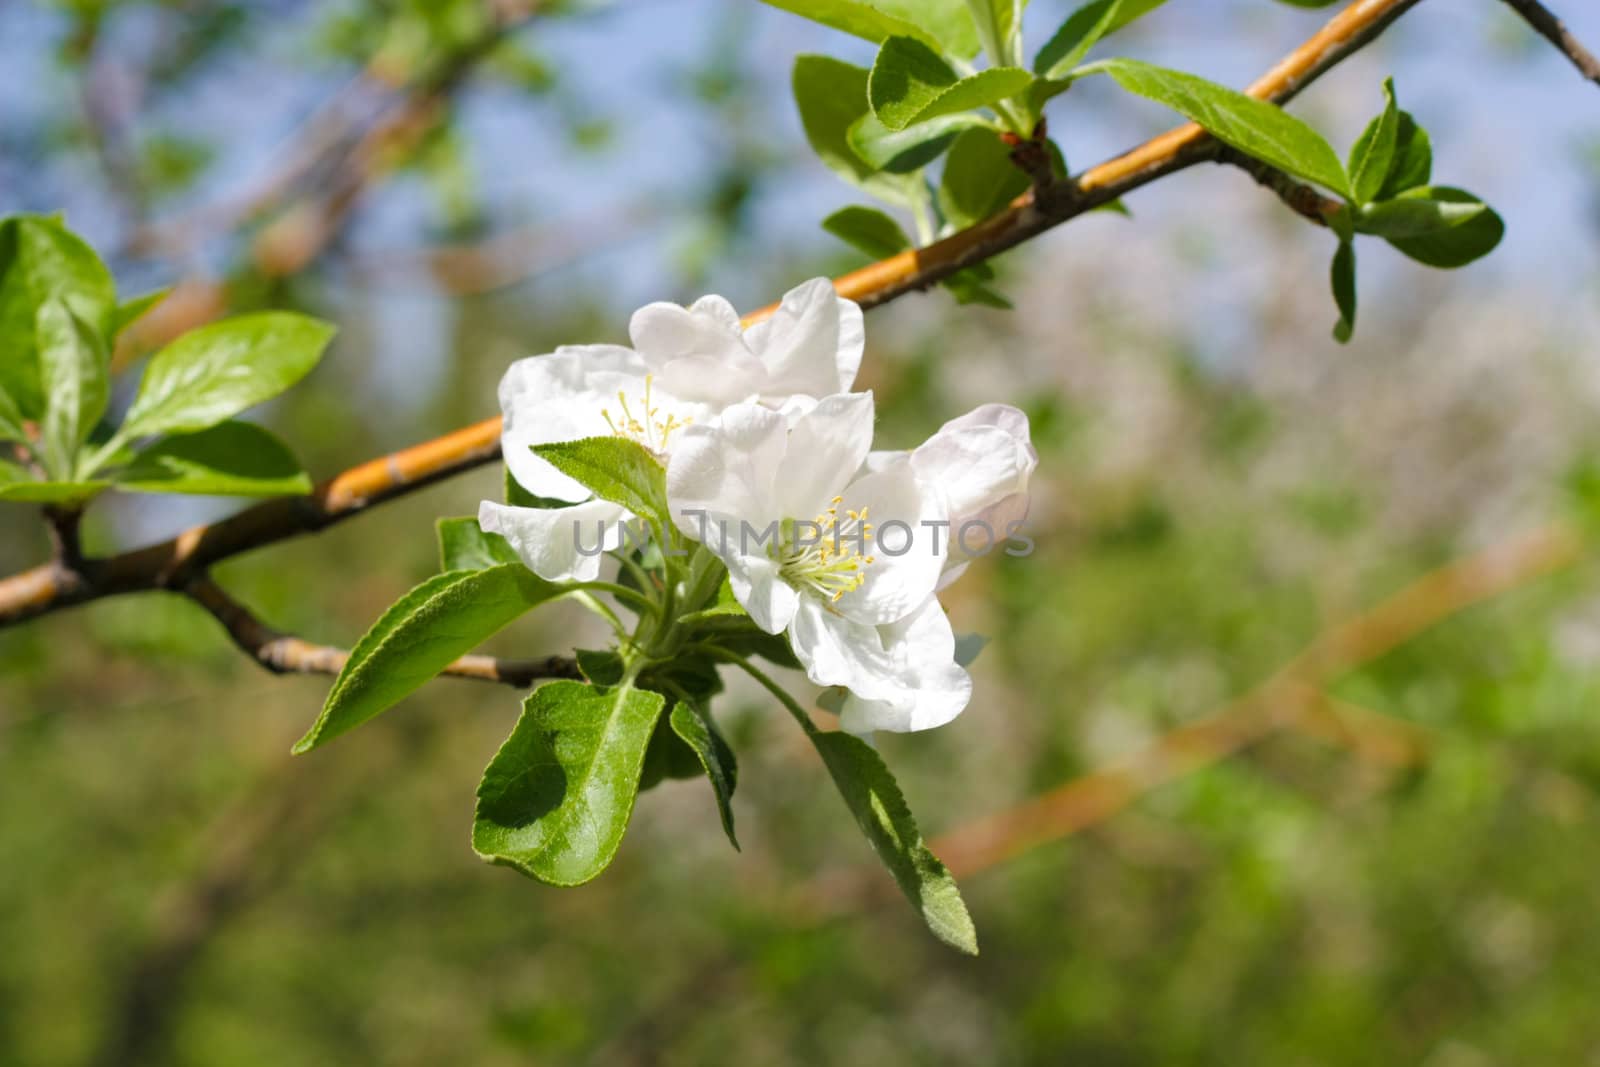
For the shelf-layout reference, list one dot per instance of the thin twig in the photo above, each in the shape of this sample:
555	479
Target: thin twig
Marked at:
48	588
1304	200
283	653
1545	22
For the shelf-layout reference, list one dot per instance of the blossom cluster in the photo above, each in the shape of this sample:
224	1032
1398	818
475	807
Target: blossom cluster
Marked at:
758	429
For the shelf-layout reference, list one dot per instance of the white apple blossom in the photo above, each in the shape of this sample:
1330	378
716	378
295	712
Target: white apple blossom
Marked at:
979	465
814	546
929	687
686	366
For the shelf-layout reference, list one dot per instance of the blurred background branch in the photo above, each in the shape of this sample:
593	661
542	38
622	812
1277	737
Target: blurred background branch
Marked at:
1553	30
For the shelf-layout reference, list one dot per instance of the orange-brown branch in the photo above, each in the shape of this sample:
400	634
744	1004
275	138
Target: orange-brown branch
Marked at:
52	586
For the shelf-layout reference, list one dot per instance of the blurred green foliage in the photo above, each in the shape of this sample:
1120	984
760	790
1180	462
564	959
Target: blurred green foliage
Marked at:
174	889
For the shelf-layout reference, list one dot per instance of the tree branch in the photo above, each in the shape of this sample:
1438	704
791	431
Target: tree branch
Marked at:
335	160
1544	21
172	563
283	653
1038	210
1304	200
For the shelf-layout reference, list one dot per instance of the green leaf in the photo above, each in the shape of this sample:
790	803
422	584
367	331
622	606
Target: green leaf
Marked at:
754	642
862	20
904	151
615	469
1413	159
700	734
968	289
1457	245
1041	92
230	459
421	633
10	419
872	795
911	83
968	646
40	259
832	96
1254	127
979	178
464	546
75	372
999	26
600	666
1413	215
1343	277
1372	156
868	230
25	490
1083	29
556	799
131	311
947	22
215	372
519	497
667	756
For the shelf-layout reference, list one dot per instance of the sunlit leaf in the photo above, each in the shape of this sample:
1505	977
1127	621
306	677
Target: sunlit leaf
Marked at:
229	459
910	83
443	618
556	799
41	259
215	372
1254	127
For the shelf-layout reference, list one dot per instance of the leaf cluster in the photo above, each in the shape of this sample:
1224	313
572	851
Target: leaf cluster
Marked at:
556	799
924	100
60	319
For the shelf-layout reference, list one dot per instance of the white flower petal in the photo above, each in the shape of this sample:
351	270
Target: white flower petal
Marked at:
978	459
562	396
811	344
826	446
838	651
907	550
698	353
718	309
980	463
727	468
770	600
1000	416
752	574
934	689
558	544
882	460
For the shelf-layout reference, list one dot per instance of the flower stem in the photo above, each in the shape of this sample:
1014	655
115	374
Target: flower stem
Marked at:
789	702
598	606
640	575
632	597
